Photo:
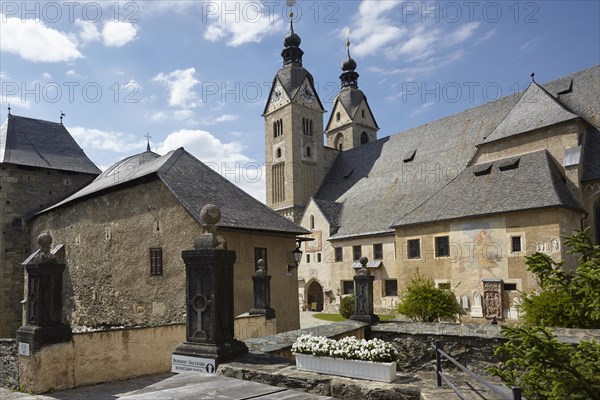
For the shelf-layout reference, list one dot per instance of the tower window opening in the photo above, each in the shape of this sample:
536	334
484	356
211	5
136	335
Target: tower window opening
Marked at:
308	152
338	116
364	138
312	222
278	153
362	112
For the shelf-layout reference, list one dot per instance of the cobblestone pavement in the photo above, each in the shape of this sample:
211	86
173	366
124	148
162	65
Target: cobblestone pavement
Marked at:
308	321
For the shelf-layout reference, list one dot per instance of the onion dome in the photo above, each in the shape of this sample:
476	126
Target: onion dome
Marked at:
349	77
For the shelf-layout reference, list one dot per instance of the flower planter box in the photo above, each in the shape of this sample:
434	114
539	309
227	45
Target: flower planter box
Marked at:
375	371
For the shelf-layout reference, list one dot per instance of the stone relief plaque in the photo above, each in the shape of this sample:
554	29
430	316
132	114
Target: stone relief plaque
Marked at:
492	298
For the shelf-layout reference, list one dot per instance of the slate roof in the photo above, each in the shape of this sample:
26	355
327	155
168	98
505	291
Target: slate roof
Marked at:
44	144
351	98
527	182
331	210
194	185
376	187
535	109
291	78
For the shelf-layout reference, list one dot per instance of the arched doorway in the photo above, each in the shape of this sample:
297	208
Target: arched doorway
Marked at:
314	296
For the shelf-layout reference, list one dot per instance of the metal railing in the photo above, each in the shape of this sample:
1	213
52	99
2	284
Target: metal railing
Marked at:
441	378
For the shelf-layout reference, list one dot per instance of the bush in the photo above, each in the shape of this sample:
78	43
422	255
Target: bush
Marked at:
422	301
347	306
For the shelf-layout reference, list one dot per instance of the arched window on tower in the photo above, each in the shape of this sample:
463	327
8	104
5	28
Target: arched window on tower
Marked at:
339	142
338	116
312	222
303	126
275	129
308	152
279	152
364	138
362	112
310	131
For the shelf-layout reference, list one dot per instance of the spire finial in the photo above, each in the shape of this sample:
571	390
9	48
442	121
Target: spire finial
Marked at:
9	109
532	77
148	137
291	4
62	115
348	41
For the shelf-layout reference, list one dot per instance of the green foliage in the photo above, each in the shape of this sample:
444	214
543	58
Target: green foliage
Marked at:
568	298
534	359
347	306
547	369
422	301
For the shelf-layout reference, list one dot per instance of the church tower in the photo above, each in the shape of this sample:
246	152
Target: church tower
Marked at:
351	123
293	134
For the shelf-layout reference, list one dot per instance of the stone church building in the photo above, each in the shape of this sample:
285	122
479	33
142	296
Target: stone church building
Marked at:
463	198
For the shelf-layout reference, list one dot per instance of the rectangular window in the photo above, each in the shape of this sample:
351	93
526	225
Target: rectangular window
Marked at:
156	262
510	287
378	251
413	248
260	253
515	244
348	287
318	257
391	287
356	252
308	258
442	246
444	285
339	254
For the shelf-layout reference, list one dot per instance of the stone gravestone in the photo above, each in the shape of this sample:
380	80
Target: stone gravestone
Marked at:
476	308
513	312
209	301
363	294
465	302
492	298
44	325
262	292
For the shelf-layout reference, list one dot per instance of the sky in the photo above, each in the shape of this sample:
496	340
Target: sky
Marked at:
197	73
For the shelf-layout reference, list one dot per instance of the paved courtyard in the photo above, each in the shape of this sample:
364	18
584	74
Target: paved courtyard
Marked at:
307	320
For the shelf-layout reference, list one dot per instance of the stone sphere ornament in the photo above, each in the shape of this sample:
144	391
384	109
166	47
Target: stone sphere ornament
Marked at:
210	214
45	241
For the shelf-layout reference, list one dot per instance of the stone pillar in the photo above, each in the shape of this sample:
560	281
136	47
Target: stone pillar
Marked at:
262	293
209	301
492	298
363	294
44	298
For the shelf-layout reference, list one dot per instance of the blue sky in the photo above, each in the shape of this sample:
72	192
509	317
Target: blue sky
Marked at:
197	73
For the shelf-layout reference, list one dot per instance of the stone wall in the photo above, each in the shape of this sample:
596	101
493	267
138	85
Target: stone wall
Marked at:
9	366
23	191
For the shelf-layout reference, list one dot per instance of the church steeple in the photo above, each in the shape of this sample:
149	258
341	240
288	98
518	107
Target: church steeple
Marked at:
292	54
349	77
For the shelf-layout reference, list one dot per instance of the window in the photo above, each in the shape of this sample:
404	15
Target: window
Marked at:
278	153
260	253
515	244
308	152
278	128
308	258
364	138
348	287
356	253
444	285
312	222
337	116
318	257
442	246
156	262
339	254
307	126
362	112
378	251
391	287
510	287
413	248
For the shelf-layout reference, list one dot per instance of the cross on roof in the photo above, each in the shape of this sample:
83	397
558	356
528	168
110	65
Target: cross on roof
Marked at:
148	137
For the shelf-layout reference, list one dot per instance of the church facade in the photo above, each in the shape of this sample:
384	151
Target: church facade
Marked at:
463	199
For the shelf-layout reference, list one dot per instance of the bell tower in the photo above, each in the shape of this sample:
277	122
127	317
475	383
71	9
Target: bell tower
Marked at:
293	134
351	123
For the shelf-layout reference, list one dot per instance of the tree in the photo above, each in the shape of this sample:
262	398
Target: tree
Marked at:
534	359
422	301
347	306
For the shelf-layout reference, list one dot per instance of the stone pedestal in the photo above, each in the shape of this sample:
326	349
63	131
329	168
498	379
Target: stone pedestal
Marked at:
44	300
262	293
363	295
209	298
492	298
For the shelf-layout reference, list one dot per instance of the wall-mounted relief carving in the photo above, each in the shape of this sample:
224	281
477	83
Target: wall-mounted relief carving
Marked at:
549	246
492	298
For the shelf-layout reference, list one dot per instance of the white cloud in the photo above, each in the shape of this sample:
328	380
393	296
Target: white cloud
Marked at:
226	118
225	158
180	84
373	30
46	76
96	139
34	41
248	24
117	34
15	102
88	31
462	33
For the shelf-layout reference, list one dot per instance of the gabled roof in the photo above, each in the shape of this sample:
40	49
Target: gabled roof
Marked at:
43	144
194	185
535	109
527	182
377	187
331	211
351	99
291	77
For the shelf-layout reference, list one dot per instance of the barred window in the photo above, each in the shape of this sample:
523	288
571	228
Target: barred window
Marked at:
378	251
391	287
515	244
413	248
339	254
442	246
356	252
156	261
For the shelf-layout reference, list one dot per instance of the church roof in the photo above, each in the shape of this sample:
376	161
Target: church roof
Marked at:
291	78
194	185
527	182
43	144
380	182
331	210
535	109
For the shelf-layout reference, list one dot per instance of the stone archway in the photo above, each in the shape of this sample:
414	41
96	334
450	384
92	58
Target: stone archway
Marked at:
314	296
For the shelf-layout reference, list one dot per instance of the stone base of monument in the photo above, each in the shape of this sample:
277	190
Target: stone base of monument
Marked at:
269	313
38	336
369	319
476	312
205	358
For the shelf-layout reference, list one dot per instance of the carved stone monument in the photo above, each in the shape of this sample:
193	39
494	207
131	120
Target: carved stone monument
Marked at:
492	298
476	308
363	294
209	302
44	325
465	302
262	292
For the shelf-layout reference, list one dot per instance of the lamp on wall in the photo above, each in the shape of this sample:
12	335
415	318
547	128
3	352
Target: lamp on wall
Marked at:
297	253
